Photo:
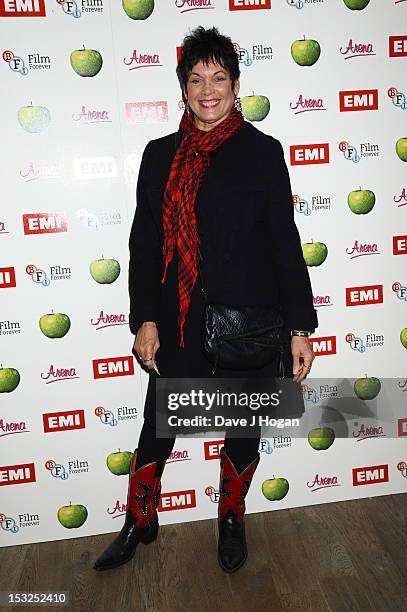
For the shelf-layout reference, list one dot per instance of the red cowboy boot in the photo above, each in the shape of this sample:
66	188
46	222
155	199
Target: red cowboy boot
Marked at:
233	487
141	524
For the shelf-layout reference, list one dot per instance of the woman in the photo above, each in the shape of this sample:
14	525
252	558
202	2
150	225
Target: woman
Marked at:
216	194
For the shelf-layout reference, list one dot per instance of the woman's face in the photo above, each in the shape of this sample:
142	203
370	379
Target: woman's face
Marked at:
210	95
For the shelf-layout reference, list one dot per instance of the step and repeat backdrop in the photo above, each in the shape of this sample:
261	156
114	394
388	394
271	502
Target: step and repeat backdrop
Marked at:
85	85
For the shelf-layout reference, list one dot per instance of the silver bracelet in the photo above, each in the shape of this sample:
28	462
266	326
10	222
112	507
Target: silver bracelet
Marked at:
297	332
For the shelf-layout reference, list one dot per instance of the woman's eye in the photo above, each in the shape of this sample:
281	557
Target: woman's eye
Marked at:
194	81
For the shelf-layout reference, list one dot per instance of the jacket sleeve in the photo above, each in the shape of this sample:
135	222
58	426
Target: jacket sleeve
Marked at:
145	267
292	273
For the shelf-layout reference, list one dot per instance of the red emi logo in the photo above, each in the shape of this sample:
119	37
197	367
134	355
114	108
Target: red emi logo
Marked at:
358	100
249	5
177	500
325	345
402	427
22	8
7	277
309	154
62	421
17	474
113	366
398	46
44	223
212	449
370	475
400	245
367	294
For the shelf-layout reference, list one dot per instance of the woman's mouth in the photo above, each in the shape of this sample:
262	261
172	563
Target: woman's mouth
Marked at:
209	103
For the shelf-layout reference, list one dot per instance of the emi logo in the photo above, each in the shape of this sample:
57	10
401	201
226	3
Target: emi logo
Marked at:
63	421
370	475
17	474
44	223
309	154
249	5
212	449
400	245
177	500
7	278
402	427
113	366
325	345
398	46
358	100
369	294
22	8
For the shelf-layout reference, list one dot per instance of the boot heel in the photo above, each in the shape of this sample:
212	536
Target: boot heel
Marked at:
150	536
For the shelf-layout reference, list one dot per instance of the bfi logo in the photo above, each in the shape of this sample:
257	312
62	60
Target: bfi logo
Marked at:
398	46
309	154
325	345
370	475
367	294
44	223
402	427
7	277
212	449
22	8
358	100
177	500
17	474
63	421
113	366
249	5
400	245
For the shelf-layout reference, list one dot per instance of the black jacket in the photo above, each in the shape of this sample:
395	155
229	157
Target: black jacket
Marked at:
249	241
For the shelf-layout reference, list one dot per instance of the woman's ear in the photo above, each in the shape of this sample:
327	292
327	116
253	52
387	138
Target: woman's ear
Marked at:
236	87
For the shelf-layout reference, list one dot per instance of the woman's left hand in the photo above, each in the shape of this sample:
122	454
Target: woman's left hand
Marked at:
303	356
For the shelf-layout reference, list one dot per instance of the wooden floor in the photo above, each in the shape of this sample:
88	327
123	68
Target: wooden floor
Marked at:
344	556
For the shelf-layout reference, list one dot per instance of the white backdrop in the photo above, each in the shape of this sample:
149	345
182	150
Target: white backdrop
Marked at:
78	166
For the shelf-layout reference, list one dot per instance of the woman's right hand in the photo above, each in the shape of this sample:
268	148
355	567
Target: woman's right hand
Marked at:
146	343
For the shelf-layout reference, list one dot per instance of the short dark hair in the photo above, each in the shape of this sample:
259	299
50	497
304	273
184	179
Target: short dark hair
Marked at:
207	45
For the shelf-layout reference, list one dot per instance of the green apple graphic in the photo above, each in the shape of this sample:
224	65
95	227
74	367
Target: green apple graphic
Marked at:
275	489
86	62
361	201
255	108
119	463
305	52
104	271
321	438
401	148
138	9
367	388
403	337
314	253
9	379
356	5
34	119
72	516
55	325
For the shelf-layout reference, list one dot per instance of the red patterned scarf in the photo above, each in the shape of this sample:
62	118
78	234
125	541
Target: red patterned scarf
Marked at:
179	222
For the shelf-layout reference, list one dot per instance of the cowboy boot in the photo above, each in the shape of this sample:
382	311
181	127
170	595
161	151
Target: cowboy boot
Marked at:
141	524
233	487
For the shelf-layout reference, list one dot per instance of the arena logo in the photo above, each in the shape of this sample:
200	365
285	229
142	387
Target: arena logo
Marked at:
401	200
22	8
398	98
21	473
402	468
3	229
358	100
397	288
362	432
398	46
256	53
146	112
318	203
300	4
11	428
355	154
33	61
142	60
322	482
108	367
356	50
400	245
359	344
185	6
402	426
55	374
8	327
98	220
212	449
34	173
370	475
309	154
58	470
7	277
42	277
70	7
95	167
249	5
177	500
178	455
305	105
315	395
119	509
366	294
104	320
9	523
112	418
324	345
320	301
66	420
362	249
44	223
87	116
